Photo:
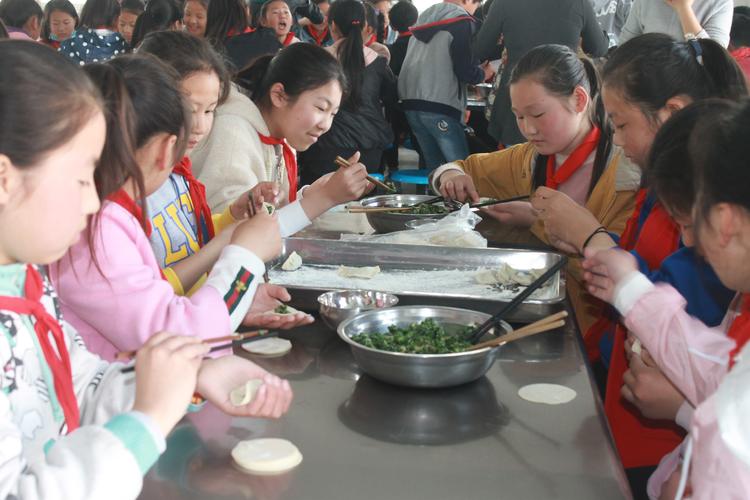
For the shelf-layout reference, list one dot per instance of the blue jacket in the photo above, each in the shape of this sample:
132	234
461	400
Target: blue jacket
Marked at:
87	45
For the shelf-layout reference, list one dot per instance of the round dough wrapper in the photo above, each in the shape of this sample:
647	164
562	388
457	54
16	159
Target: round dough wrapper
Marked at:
551	394
269	208
266	455
242	395
271	348
292	263
289	310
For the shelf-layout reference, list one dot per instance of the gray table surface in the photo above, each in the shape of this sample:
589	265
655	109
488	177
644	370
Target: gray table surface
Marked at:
362	439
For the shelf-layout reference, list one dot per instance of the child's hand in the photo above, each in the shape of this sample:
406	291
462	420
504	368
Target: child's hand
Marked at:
458	187
604	269
515	213
489	72
261	235
262	192
347	183
166	370
267	298
650	391
218	377
563	218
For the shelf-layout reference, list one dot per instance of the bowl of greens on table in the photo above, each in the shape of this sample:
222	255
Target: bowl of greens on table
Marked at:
388	222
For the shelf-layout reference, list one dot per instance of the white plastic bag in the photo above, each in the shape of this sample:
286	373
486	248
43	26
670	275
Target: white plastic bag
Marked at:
453	230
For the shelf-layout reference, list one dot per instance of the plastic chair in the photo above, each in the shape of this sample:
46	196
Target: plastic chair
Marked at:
418	177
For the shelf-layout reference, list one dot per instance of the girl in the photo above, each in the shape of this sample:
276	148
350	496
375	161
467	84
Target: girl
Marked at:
194	18
225	19
96	40
293	98
22	18
159	15
695	357
126	20
275	14
117	258
72	425
60	21
319	34
553	93
645	81
359	125
373	24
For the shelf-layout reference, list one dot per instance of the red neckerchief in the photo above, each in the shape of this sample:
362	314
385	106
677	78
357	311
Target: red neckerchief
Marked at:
203	219
404	34
125	201
442	23
577	158
741	53
233	32
740	329
288	39
318	36
630	233
659	237
370	41
44	326
290	161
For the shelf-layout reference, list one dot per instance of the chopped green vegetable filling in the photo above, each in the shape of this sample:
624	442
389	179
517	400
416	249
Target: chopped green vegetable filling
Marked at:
282	309
426	209
426	337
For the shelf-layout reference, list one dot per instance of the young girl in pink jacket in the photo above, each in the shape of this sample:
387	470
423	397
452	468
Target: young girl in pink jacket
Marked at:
705	364
116	260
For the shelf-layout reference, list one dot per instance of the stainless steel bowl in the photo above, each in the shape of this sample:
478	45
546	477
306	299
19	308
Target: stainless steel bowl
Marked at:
418	370
339	305
388	222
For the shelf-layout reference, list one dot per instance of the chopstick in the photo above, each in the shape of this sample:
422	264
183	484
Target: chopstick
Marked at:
543	325
517	300
343	163
361	210
251	207
498	202
243	338
213	340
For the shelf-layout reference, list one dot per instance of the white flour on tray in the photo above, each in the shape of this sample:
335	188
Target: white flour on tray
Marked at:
442	281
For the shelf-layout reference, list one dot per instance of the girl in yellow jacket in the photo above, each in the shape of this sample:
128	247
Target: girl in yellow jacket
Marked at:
554	98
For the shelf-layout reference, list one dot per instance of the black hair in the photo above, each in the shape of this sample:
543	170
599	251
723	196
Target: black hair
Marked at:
15	13
133	6
264	9
187	55
224	17
299	68
739	36
669	169
349	17
54	6
560	70
159	15
403	16
720	149
650	69
98	13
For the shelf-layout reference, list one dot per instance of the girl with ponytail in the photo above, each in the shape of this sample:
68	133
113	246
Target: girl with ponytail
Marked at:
160	15
359	125
554	94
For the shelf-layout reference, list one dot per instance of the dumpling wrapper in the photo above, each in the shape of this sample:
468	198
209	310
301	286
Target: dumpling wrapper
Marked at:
242	395
289	310
292	263
266	455
550	394
637	347
359	272
269	208
270	348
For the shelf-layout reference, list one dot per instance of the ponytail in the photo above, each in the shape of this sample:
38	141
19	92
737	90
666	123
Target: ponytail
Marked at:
222	18
560	70
159	15
349	17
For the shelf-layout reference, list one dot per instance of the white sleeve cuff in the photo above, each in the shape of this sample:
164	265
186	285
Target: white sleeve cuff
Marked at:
292	218
630	290
684	415
153	429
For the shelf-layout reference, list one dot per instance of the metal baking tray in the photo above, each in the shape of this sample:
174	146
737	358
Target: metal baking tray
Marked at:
418	275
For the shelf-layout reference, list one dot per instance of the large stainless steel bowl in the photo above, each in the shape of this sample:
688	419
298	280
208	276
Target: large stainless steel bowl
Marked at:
339	305
418	370
388	222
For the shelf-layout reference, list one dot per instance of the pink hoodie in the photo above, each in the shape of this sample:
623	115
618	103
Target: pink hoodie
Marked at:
121	307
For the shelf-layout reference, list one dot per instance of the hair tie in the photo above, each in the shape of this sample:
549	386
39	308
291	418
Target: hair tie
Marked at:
696	45
356	23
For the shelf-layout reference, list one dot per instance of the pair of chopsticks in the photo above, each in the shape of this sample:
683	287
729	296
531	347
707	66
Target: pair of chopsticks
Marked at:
229	341
498	202
517	300
551	322
341	162
251	208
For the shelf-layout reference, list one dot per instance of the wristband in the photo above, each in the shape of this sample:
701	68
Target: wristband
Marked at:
600	229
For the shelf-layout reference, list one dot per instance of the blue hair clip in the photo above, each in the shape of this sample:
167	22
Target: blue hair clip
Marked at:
696	45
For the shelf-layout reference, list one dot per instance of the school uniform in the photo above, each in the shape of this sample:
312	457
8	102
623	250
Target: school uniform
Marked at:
120	304
310	34
66	422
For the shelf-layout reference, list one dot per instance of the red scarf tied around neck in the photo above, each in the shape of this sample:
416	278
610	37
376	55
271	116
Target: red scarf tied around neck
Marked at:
290	161
204	222
740	329
57	357
555	177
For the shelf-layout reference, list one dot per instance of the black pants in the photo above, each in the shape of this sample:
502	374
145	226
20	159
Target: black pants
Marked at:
318	161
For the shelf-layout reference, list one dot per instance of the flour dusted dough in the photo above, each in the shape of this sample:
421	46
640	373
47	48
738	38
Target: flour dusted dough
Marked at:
637	347
266	455
358	272
270	348
292	263
551	394
245	393
507	275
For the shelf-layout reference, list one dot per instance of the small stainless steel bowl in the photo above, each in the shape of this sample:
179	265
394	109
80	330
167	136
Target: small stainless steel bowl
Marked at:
339	305
388	222
419	370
